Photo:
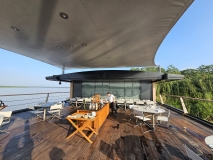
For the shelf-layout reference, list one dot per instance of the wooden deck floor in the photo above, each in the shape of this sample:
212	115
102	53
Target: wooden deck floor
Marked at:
117	139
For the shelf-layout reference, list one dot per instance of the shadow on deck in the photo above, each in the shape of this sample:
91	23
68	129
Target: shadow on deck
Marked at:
117	139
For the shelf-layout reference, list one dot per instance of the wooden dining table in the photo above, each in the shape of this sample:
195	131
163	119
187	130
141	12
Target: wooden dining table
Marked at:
83	125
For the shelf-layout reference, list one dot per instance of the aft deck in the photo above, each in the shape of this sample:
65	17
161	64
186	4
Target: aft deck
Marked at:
117	139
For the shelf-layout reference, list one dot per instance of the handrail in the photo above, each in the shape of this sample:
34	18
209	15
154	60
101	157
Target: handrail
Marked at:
17	102
193	112
206	100
31	94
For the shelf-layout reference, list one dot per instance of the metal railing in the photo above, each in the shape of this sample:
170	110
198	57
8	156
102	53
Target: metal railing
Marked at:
15	102
197	107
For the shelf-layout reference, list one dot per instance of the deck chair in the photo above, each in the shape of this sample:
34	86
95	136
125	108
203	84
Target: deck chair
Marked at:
139	102
36	112
120	104
191	155
80	102
165	119
3	131
7	116
150	102
140	116
73	102
129	102
55	111
87	101
132	116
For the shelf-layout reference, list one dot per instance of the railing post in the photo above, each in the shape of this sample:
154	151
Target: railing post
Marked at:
47	98
183	105
161	99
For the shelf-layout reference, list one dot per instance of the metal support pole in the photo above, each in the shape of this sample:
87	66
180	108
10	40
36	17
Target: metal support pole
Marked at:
161	99
47	98
159	69
183	105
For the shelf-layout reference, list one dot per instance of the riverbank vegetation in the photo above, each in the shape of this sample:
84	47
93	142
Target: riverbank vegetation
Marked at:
198	83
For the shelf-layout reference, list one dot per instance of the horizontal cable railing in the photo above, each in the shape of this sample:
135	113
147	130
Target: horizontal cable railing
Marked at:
198	107
200	99
22	101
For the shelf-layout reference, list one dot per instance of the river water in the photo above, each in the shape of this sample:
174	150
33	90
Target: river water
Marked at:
24	101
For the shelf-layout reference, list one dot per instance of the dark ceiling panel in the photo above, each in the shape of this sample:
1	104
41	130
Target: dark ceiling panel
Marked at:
115	75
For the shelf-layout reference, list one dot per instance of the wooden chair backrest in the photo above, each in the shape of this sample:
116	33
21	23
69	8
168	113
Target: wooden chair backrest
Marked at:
96	98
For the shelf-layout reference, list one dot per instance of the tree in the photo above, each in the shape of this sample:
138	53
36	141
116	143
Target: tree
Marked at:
172	70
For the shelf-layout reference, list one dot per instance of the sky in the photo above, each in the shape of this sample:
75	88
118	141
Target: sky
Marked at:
188	45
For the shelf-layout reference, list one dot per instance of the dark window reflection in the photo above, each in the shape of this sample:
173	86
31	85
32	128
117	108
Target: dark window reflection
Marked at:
128	90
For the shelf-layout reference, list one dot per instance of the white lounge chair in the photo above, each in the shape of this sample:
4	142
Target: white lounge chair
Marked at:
80	102
55	111
129	102
38	113
7	116
150	102
73	102
192	155
35	111
139	102
120	104
139	115
165	119
87	101
4	131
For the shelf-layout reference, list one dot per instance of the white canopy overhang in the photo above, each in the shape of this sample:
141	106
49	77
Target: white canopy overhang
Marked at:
114	33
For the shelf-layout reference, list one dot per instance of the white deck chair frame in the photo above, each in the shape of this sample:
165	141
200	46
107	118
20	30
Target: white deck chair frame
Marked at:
36	112
165	119
192	155
55	111
139	115
7	116
3	131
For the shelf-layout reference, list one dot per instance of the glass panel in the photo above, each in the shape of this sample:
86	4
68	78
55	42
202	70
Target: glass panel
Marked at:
105	89
128	90
88	89
136	90
117	89
99	88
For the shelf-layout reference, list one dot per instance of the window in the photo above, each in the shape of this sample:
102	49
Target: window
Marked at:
128	90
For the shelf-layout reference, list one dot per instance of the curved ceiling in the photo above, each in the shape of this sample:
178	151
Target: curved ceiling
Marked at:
93	34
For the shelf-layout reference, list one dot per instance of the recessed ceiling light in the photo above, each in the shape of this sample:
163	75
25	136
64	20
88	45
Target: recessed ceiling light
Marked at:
84	44
71	45
63	15
59	47
15	29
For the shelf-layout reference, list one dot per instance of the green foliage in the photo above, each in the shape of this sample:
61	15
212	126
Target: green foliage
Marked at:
148	69
198	83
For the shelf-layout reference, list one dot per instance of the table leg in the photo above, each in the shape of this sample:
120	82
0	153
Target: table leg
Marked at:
93	131
44	116
125	106
153	121
81	131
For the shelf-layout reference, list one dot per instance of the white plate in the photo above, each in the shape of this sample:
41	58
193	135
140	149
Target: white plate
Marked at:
211	146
